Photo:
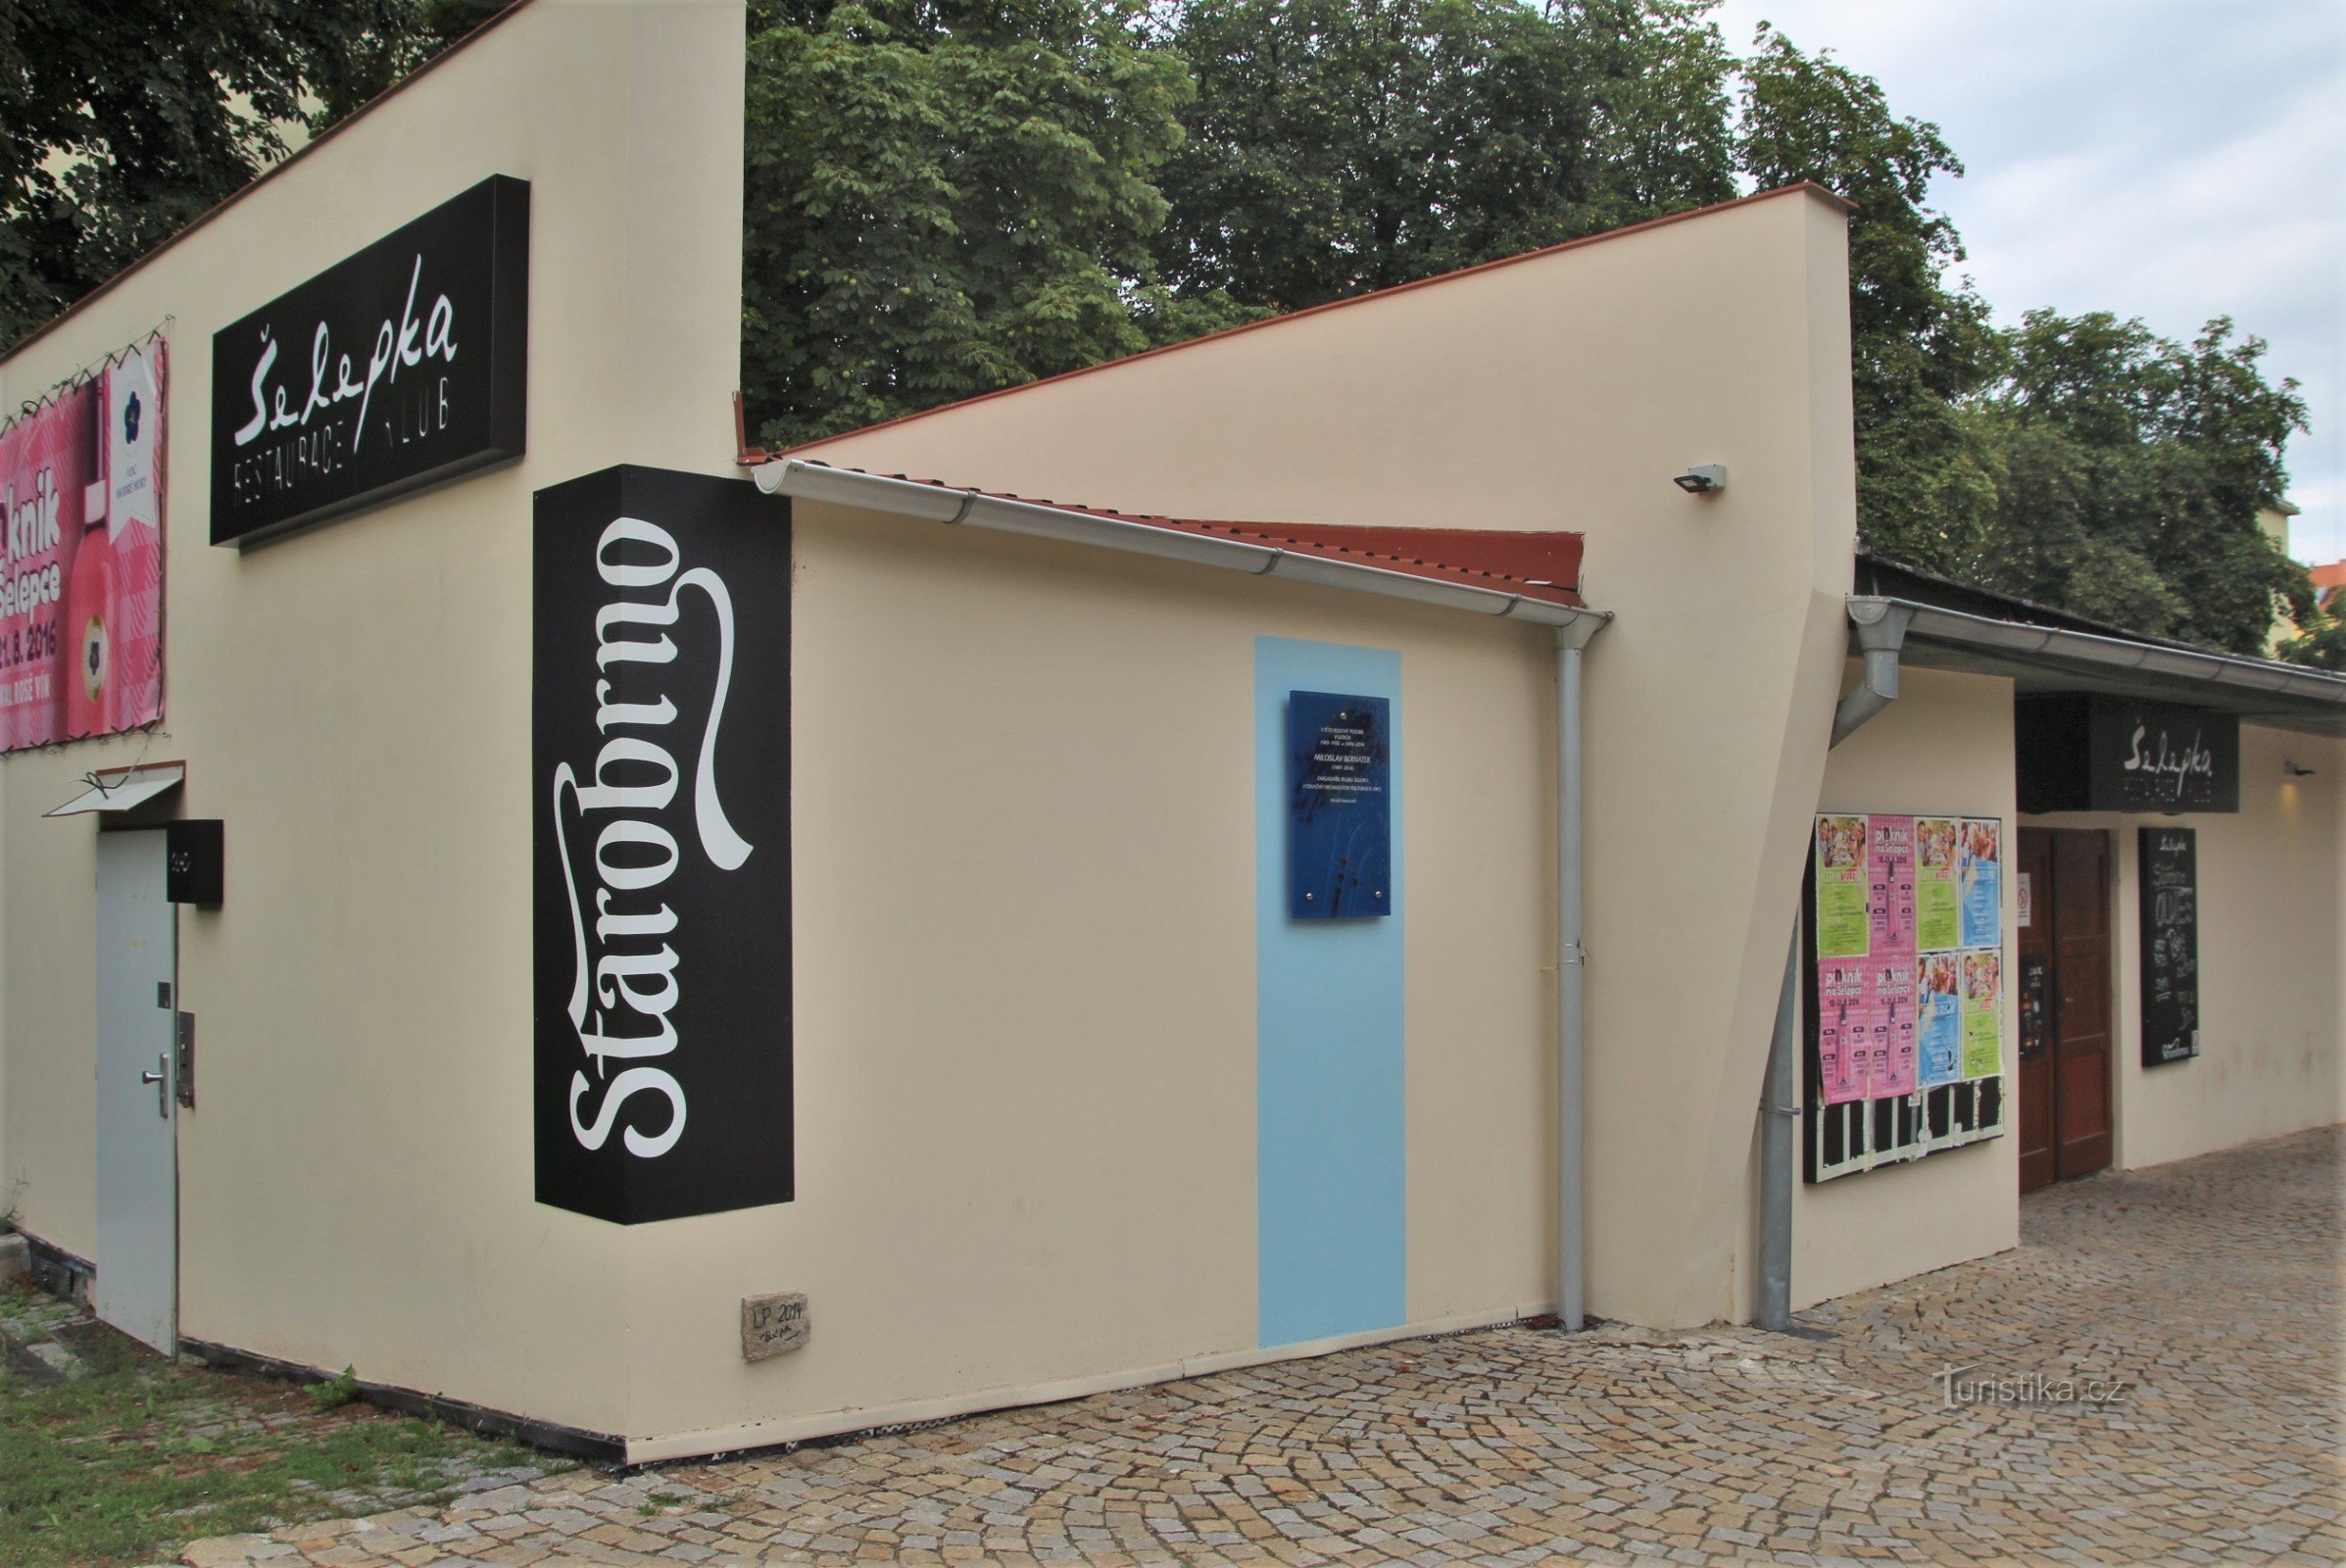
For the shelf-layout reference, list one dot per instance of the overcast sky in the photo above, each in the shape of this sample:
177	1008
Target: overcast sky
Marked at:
2170	160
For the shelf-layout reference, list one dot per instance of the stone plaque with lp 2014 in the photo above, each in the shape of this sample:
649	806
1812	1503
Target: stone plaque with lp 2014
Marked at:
772	1324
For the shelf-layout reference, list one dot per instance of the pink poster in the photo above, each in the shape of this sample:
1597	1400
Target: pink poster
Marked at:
1889	1003
81	558
1890	899
1844	1031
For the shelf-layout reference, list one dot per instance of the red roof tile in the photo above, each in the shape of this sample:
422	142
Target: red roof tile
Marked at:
1541	565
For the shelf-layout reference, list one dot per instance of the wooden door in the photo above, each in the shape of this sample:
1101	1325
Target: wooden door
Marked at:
2063	982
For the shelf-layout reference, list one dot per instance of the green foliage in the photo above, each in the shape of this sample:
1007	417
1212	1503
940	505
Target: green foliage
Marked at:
128	1463
120	122
2129	473
1920	344
947	198
2321	639
336	1392
1337	146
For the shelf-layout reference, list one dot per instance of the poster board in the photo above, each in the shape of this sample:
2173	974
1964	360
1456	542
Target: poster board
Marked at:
1905	987
2169	915
81	487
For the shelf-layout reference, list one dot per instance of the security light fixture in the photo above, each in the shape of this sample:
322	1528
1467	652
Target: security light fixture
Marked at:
1703	479
2297	770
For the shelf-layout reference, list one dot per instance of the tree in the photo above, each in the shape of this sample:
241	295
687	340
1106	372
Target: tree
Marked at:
1337	146
2321	639
945	197
2130	473
121	122
1921	344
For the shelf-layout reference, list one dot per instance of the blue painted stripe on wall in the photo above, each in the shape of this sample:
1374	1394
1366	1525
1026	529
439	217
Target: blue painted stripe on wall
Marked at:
1331	1183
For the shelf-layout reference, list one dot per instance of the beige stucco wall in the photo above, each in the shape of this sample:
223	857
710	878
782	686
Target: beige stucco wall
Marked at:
2272	960
355	704
1025	1008
1942	749
1564	391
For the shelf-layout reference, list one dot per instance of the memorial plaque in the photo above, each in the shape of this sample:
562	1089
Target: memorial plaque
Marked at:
2169	925
1339	807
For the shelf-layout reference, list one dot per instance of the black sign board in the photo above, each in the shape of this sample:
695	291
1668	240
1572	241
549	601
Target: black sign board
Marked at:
660	783
2090	753
194	862
400	367
2034	1019
2169	898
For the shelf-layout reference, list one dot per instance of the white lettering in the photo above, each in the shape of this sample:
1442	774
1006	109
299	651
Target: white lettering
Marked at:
627	964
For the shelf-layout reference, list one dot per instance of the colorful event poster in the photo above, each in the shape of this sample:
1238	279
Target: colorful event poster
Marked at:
1980	857
1842	890
81	558
1982	1015
1841	1030
1891	1005
1939	1020
1939	923
1889	896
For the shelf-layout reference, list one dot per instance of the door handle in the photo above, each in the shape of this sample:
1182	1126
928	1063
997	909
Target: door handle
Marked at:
163	1096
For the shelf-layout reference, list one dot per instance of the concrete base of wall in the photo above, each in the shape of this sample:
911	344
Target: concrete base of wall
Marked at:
596	1448
844	1423
56	1270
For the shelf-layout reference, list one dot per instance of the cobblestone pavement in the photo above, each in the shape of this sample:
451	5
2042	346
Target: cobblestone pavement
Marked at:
2211	1286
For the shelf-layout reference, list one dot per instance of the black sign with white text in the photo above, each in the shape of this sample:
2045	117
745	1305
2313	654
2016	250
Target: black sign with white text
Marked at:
2169	930
2079	751
661	780
400	367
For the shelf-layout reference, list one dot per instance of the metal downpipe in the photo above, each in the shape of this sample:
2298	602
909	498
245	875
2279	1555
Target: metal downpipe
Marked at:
1881	629
1779	1127
1881	633
1572	968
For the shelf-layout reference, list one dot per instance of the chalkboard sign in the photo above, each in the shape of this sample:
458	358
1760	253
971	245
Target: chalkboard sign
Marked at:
2170	898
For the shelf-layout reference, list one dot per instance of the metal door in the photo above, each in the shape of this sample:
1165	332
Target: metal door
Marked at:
2064	993
138	1175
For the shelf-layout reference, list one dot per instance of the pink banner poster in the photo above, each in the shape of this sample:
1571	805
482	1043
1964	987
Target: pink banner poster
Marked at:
81	558
1890	1002
1889	905
1844	1031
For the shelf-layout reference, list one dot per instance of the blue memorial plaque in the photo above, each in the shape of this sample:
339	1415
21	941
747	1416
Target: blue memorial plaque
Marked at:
1338	806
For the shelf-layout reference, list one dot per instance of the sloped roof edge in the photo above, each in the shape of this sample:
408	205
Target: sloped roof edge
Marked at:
1500	583
752	454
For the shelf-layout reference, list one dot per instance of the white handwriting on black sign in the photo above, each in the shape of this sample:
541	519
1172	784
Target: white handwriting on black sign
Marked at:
406	343
2166	766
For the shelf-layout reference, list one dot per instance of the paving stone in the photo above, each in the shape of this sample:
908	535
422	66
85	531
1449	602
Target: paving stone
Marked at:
2212	1286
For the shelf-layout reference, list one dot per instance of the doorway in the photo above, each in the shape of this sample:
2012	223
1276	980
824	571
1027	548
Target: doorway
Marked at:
139	1166
2063	982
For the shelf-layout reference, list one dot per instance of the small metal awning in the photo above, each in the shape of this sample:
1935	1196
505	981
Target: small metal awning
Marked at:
119	789
2055	658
